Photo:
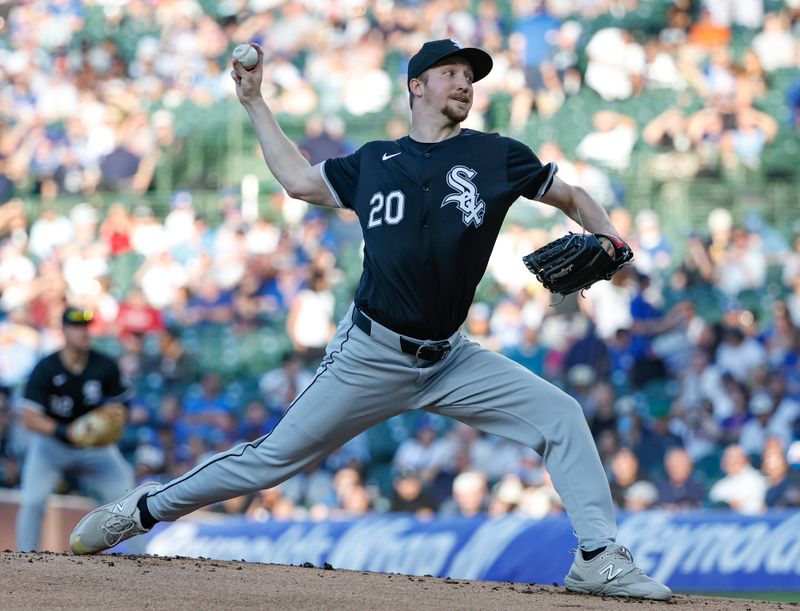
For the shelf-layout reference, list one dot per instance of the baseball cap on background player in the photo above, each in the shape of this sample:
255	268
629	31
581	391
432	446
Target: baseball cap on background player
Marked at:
77	316
436	50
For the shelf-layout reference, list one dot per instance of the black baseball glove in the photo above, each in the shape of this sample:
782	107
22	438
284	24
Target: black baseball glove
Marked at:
576	261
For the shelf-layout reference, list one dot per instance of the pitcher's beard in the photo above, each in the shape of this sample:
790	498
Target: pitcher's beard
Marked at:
455	115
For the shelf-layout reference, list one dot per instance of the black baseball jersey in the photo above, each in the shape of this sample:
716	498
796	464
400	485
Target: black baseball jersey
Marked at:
57	392
430	214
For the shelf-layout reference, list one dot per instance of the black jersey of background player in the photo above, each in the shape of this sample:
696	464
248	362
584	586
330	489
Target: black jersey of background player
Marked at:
430	214
65	396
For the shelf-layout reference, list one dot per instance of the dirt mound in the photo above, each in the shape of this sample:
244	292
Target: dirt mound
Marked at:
40	580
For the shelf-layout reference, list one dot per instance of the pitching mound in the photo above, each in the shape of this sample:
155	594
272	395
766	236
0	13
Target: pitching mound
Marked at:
45	580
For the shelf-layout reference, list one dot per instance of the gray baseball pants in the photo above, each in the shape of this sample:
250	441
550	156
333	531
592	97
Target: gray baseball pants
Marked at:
365	379
103	472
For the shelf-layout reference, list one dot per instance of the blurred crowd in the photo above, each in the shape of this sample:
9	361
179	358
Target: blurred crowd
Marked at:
97	95
687	364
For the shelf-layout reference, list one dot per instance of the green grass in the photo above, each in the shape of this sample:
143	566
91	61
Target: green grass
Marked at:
786	597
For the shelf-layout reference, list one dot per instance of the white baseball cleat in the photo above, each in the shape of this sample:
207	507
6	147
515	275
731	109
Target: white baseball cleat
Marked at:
106	526
613	573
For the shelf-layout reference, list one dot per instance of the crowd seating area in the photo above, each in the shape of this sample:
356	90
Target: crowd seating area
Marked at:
124	188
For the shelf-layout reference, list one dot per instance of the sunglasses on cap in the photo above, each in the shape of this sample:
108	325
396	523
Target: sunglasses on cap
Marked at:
76	316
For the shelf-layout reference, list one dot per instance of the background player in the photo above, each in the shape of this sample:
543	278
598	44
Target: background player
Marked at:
430	206
63	387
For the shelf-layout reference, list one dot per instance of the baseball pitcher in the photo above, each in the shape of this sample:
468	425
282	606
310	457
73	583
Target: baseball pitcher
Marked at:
430	206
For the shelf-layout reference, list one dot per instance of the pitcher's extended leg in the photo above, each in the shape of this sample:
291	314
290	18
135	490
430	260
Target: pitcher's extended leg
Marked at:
359	384
107	476
496	395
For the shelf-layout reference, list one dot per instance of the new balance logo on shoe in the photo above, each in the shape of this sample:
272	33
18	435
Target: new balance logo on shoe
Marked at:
609	571
385	156
619	576
106	526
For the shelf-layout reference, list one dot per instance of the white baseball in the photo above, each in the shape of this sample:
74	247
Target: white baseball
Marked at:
247	56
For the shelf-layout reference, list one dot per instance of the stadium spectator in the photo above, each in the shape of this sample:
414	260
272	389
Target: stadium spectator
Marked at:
641	496
540	500
343	482
699	430
680	489
208	412
756	430
478	327
505	496
668	134
738	355
743	488
653	250
172	363
325	139
783	483
588	349
280	386
255	422
11	446
48	232
707	33
779	337
743	144
611	142
136	316
115	230
706	131
775	45
310	323
470	496
616	64
272	504
535	28
408	495
604	417
648	321
356	502
624	474
20	346
737	395
209	303
424	453
529	351
787	406
609	304
655	441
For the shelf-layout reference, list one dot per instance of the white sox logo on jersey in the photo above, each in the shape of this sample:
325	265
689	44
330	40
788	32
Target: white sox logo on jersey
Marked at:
467	199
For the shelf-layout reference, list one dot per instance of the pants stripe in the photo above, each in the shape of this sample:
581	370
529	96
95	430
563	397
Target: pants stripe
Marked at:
254	444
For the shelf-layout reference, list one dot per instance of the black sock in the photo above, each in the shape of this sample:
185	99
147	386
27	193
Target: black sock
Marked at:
593	554
145	517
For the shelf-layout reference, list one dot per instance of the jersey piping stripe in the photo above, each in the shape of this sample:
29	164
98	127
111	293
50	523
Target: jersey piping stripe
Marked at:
123	397
546	184
258	442
31	405
330	186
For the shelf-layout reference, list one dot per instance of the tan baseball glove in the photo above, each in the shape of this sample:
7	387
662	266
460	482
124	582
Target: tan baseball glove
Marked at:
100	427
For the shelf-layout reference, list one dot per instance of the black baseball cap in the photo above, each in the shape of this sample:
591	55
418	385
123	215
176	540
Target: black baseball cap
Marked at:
436	50
77	316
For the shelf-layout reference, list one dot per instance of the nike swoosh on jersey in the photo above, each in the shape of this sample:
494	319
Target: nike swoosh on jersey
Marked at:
386	156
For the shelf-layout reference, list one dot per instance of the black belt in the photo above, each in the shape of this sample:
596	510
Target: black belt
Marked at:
426	351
